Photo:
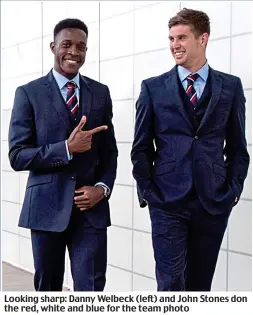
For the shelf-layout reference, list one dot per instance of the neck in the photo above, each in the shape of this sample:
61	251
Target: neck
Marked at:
69	76
198	64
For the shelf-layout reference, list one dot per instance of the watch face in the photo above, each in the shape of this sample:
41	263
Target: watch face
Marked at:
105	191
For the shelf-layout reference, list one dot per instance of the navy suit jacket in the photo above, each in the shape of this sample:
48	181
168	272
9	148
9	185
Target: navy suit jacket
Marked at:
169	157
40	124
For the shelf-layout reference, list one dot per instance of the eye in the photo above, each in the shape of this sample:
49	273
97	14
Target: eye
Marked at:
66	45
82	47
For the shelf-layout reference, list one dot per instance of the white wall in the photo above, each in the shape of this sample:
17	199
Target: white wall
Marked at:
128	42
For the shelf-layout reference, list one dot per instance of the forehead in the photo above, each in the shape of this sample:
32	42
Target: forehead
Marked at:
72	34
179	29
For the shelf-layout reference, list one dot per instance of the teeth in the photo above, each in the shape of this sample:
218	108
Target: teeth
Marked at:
179	53
71	61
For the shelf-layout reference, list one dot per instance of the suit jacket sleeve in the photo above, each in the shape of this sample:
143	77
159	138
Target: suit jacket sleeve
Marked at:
236	146
108	151
24	153
142	153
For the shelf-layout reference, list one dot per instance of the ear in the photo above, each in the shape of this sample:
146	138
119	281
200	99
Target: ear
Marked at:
52	47
204	39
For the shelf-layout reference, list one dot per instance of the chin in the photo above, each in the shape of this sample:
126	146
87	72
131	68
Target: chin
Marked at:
69	71
179	62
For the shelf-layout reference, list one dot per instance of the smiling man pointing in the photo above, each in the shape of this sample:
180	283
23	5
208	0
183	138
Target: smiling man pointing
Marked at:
61	131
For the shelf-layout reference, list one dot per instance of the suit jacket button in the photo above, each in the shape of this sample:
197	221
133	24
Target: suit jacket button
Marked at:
196	137
73	178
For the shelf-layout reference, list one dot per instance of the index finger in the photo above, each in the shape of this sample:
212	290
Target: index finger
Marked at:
96	130
81	123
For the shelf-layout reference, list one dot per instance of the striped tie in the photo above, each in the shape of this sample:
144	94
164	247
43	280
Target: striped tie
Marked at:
71	100
190	91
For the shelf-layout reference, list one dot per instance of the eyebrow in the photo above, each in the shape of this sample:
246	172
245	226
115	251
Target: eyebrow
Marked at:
180	35
70	41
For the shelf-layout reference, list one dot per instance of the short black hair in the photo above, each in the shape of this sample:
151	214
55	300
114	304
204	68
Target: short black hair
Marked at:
70	23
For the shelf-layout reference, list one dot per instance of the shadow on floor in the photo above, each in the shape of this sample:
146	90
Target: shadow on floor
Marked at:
16	279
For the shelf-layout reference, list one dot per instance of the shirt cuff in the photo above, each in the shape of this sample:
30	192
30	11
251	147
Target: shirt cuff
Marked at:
108	190
70	156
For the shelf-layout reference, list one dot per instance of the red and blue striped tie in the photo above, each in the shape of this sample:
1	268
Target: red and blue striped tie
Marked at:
190	91
71	100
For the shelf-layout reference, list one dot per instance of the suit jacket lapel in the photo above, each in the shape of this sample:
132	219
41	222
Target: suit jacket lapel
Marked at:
55	99
207	90
86	97
216	92
171	83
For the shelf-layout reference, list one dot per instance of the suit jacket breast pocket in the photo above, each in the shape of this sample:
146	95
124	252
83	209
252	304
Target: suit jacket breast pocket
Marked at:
222	115
97	116
220	118
167	117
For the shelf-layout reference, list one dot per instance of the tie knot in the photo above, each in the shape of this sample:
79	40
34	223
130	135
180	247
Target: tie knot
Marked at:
71	85
193	77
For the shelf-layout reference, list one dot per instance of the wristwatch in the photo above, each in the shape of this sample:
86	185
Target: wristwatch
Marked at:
106	190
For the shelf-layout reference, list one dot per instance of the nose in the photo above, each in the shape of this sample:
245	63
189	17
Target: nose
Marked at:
175	44
73	50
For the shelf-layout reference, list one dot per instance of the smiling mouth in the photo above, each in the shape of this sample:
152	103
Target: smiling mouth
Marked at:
179	53
71	62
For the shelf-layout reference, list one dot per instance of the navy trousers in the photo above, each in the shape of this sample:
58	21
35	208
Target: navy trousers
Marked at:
186	243
87	248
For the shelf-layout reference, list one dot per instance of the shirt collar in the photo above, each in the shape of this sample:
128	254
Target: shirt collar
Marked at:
61	80
202	72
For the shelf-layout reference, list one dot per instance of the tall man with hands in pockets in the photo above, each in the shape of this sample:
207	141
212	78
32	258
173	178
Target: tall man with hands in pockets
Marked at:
189	156
61	131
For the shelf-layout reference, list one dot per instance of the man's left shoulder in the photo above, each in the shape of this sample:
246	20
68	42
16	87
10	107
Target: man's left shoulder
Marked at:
95	85
228	78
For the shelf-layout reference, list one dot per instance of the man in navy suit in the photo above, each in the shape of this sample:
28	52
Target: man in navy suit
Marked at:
61	131
189	157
